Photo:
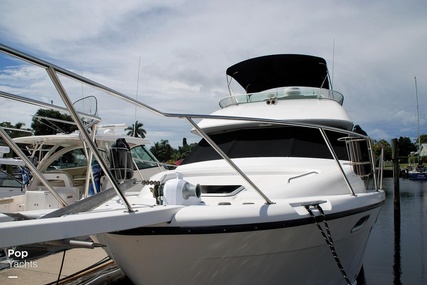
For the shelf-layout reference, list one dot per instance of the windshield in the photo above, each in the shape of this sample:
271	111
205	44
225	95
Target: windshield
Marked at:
7	180
143	157
77	158
289	93
71	159
270	142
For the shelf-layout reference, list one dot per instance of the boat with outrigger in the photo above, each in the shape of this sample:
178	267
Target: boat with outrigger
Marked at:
64	161
279	189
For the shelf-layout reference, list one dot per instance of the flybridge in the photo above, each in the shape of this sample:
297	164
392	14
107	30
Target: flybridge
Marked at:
281	70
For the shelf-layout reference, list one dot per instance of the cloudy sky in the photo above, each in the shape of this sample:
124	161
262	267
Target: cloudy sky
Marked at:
181	49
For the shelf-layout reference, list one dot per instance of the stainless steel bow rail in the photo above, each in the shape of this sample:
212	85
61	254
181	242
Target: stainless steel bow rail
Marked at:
53	72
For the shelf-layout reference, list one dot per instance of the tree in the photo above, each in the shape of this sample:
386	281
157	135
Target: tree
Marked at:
13	130
43	126
405	146
163	150
183	151
423	139
136	130
379	145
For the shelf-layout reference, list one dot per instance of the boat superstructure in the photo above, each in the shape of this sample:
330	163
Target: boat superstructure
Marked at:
65	163
278	190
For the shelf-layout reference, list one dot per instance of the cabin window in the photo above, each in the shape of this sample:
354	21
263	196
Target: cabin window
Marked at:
270	142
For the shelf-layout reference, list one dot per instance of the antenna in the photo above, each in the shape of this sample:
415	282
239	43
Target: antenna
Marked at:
81	73
136	96
333	60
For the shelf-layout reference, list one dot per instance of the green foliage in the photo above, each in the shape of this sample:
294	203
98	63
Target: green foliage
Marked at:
182	151
423	139
162	150
167	154
379	145
413	159
15	133
43	126
405	146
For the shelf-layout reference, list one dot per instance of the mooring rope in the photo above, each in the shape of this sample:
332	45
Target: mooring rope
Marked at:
328	238
60	269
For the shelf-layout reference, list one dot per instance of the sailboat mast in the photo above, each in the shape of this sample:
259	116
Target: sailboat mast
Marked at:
418	119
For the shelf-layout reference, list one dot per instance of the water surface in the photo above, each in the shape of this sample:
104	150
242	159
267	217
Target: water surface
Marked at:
398	254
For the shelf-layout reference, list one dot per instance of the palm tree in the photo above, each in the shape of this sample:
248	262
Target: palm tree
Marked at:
136	130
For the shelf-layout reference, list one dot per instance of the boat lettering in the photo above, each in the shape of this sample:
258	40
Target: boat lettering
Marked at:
11	253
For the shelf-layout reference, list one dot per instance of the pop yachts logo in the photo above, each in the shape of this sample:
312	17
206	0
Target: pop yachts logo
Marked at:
17	259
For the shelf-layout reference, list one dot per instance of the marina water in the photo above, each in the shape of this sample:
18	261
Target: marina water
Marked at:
394	257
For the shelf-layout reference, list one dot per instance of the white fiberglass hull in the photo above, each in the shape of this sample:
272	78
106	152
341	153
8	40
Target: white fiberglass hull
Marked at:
281	252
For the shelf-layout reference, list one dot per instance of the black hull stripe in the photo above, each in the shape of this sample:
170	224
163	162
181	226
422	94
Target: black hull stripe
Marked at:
240	227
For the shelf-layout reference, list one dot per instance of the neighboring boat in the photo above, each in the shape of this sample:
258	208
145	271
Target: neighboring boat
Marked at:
63	161
11	183
279	190
419	172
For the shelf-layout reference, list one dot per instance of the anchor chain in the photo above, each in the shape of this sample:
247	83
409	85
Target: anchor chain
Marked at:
150	182
155	190
328	237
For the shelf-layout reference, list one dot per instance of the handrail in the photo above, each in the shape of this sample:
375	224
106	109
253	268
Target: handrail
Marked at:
44	105
302	175
373	165
381	170
283	93
54	70
56	81
331	149
31	166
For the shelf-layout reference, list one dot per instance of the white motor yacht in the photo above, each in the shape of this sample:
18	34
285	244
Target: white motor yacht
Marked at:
303	209
279	190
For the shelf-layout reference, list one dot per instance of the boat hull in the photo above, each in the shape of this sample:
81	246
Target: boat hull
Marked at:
292	254
415	175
